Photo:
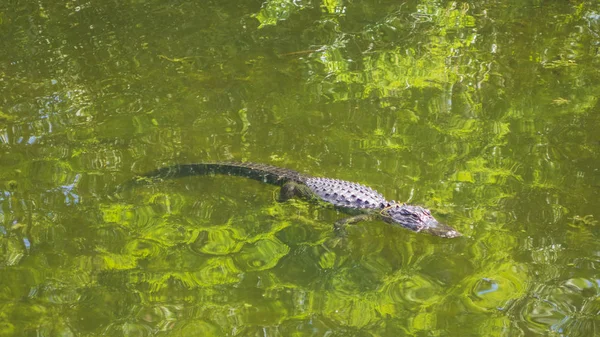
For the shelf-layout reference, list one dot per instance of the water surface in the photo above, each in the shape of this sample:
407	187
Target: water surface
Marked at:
487	113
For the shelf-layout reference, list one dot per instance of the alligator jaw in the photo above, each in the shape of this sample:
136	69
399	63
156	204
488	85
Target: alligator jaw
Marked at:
433	227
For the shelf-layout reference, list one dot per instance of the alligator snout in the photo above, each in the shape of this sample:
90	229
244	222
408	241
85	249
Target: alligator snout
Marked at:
417	219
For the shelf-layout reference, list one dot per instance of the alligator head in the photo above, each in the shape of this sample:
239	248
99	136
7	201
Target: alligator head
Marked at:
418	219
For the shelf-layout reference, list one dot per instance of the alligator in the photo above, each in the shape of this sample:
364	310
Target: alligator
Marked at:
348	196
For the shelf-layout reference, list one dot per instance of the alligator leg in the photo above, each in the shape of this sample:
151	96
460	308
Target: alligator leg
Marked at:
291	190
342	223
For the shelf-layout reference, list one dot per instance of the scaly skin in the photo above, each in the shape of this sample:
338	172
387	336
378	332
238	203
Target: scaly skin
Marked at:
344	194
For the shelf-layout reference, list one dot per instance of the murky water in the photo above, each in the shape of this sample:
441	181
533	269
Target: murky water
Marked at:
487	113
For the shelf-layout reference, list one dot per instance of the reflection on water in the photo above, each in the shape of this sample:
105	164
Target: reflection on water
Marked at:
485	113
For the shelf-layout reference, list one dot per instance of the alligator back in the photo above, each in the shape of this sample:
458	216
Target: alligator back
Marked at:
261	172
345	193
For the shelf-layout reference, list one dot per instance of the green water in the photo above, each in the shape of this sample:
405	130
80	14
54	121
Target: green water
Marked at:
486	112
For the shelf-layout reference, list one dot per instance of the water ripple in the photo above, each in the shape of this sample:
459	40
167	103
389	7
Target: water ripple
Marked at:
570	308
262	254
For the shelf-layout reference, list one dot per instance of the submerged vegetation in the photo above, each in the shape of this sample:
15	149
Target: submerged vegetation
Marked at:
485	112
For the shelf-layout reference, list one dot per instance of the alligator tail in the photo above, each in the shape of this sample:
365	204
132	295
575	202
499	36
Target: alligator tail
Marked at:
265	173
